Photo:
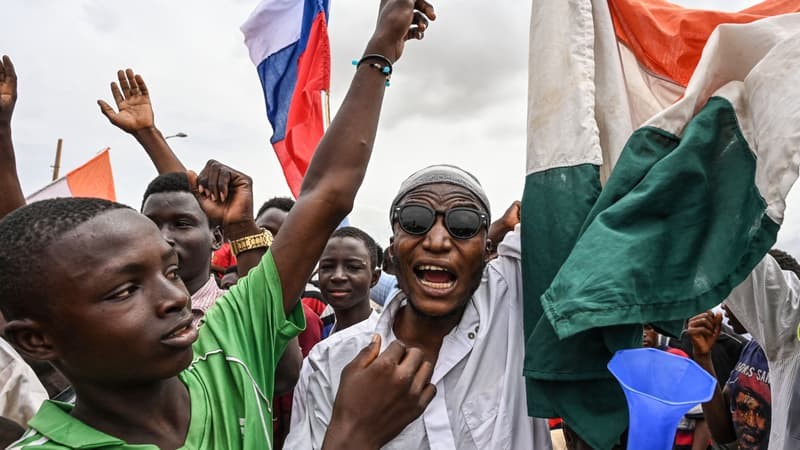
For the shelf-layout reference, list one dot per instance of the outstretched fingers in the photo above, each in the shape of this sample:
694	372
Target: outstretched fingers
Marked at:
142	87
106	109
117	94
125	87
131	77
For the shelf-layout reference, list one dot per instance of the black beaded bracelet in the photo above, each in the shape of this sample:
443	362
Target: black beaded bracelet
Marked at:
385	68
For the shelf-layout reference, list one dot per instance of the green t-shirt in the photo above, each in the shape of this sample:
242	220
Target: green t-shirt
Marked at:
230	380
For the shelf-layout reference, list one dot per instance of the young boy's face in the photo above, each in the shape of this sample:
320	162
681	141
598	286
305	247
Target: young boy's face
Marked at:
346	273
272	219
184	225
119	312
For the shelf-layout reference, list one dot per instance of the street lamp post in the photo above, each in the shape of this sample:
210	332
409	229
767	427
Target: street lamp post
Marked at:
178	135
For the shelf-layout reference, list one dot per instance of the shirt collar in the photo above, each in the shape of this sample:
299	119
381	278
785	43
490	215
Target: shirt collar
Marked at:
206	296
455	346
53	420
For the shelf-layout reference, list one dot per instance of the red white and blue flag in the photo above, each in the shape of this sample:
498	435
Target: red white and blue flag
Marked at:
288	43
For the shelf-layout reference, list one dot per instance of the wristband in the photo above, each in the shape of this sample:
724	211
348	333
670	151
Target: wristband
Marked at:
243	244
384	66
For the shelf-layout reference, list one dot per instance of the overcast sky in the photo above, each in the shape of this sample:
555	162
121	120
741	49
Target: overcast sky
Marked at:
459	96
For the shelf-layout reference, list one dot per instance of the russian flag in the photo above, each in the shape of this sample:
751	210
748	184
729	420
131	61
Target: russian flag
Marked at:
93	179
288	42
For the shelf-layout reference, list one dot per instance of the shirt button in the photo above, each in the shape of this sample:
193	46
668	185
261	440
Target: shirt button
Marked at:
471	335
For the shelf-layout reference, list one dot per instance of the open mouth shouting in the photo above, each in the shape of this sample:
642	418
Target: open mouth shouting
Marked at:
435	277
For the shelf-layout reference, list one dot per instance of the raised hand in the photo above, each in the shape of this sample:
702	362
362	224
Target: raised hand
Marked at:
399	21
135	112
225	194
8	90
397	384
704	330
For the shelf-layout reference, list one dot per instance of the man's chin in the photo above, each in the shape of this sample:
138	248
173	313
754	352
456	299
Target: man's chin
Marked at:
749	441
437	308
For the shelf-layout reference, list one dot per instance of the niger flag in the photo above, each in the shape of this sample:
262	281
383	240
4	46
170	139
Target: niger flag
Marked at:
662	143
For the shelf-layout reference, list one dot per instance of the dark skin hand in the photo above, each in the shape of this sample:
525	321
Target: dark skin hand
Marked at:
401	376
12	197
704	330
134	115
226	196
500	227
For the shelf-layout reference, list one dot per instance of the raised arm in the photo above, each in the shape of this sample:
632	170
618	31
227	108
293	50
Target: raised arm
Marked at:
340	160
502	226
704	330
135	116
11	197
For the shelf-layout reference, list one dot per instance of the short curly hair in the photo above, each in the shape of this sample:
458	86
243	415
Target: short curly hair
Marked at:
167	182
282	203
26	234
361	235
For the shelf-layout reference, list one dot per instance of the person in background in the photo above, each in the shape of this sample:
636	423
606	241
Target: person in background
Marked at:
131	328
222	259
273	213
387	283
693	432
739	414
230	278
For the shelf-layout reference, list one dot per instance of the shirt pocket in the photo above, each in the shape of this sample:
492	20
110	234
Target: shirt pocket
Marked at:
480	415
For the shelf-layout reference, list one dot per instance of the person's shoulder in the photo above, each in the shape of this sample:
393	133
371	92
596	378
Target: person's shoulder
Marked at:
343	344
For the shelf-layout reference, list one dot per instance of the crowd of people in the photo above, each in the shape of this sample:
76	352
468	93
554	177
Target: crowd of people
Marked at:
199	322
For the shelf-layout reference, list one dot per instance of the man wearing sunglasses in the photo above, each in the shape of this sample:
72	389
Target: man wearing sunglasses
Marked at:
462	311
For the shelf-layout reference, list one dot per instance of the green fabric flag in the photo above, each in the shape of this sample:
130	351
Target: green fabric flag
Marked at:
645	201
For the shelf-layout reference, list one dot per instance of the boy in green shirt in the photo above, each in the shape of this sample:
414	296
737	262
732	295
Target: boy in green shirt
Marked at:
91	286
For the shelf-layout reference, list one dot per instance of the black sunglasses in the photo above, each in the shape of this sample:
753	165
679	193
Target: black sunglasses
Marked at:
461	222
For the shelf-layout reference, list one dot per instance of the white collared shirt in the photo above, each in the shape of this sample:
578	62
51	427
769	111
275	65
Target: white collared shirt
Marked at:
480	401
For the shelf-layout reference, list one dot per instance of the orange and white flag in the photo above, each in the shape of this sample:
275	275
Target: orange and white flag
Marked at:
93	179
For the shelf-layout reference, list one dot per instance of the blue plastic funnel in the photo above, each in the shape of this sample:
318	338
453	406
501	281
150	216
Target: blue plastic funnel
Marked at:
660	388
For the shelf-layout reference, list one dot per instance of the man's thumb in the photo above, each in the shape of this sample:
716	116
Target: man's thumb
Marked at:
369	353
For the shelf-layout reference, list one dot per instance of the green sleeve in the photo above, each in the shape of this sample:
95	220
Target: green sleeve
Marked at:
248	323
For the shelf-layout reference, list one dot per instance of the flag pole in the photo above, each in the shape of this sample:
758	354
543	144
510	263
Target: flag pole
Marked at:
57	164
326	104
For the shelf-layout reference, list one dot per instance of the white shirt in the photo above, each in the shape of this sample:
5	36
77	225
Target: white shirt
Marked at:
767	303
299	427
21	392
480	401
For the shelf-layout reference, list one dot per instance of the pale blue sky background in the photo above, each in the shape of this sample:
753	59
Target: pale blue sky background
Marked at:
459	96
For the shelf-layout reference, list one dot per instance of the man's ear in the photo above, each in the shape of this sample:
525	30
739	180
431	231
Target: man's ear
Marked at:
490	250
216	238
30	339
392	259
376	275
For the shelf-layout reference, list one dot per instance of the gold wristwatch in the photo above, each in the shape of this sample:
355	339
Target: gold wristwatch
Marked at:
243	244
